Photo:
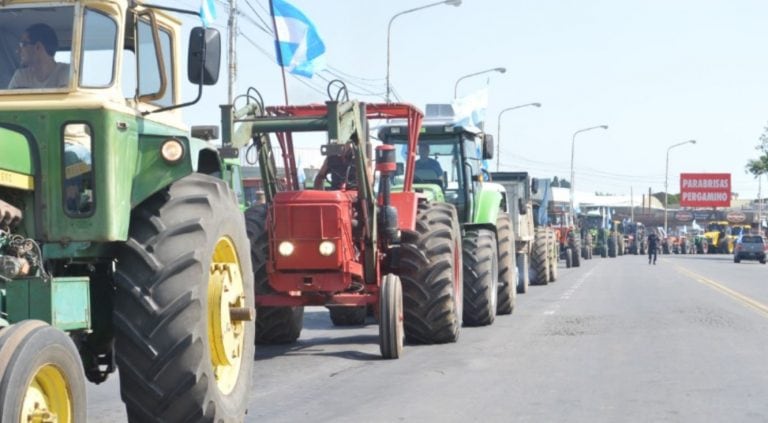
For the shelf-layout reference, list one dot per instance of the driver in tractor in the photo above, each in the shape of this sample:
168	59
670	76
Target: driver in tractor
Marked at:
340	167
427	167
37	47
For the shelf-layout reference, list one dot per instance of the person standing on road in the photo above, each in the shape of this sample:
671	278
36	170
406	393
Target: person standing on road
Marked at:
653	246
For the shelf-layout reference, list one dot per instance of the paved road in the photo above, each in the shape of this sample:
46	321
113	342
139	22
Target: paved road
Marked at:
614	340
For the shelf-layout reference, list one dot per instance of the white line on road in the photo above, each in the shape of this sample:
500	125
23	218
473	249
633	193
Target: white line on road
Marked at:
567	294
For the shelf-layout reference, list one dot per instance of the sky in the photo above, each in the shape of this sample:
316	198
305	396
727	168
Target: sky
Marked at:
656	72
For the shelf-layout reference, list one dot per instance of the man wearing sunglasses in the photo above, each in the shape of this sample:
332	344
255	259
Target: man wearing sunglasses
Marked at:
37	47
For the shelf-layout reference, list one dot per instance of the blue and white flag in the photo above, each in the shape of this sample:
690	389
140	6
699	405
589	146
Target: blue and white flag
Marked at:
208	12
299	47
470	110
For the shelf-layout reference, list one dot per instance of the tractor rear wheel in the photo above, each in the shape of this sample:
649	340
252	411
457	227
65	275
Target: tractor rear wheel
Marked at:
274	325
431	274
507	293
481	273
41	375
568	258
348	316
183	301
540	256
391	331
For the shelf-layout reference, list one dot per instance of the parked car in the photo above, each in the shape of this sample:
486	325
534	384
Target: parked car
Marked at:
750	247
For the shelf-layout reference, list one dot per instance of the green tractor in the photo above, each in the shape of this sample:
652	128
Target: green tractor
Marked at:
120	243
450	167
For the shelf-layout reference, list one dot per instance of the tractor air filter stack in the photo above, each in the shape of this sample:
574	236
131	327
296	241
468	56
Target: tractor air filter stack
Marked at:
386	165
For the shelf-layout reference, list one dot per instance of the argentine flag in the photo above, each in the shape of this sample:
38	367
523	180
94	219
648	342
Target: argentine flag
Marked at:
208	12
470	110
299	47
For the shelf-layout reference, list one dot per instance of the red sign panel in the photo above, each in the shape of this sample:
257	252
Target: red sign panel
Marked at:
705	189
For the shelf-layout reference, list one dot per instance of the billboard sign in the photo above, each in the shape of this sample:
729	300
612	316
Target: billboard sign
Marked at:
705	189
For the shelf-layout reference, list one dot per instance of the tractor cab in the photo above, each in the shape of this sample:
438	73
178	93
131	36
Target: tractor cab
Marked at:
449	165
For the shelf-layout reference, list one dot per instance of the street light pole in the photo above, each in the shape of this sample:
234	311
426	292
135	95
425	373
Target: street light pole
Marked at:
456	3
456	85
666	177
573	144
498	129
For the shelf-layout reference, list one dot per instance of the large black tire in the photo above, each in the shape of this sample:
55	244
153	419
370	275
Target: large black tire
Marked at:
554	254
540	257
274	325
481	273
612	246
523	276
431	275
589	248
348	316
568	258
40	362
184	293
507	270
576	251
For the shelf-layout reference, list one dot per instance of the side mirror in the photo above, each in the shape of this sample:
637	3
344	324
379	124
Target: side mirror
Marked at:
487	146
204	56
521	207
535	185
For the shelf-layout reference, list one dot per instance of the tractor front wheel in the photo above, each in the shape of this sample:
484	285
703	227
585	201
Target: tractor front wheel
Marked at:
576	252
391	331
554	255
523	275
540	257
481	273
183	306
41	375
507	291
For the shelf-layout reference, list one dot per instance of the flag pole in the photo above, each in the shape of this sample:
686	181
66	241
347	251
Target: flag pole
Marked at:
279	51
232	29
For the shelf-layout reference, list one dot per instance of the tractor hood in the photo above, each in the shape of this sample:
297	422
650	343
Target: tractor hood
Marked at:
15	160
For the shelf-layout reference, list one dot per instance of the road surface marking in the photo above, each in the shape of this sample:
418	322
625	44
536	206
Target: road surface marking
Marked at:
567	294
749	302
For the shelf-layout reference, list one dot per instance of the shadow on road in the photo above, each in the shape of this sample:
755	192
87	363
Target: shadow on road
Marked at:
317	319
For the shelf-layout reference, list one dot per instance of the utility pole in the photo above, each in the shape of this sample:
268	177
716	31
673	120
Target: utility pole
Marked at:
760	204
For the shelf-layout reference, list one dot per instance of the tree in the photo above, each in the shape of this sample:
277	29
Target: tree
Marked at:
759	166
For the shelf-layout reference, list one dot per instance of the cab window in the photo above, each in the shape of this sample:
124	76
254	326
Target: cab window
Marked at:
30	36
99	45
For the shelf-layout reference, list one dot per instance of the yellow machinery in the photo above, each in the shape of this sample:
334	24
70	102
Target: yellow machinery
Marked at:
718	234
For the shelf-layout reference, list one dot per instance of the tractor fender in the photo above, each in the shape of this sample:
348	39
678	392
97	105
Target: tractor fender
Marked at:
432	192
16	162
489	204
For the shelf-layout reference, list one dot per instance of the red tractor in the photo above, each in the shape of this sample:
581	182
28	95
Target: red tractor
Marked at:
346	245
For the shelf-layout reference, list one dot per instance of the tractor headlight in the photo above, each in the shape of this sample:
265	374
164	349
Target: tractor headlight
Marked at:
327	248
285	248
172	151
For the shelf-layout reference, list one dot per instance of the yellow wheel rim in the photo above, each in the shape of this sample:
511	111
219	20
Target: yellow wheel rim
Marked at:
227	315
48	397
